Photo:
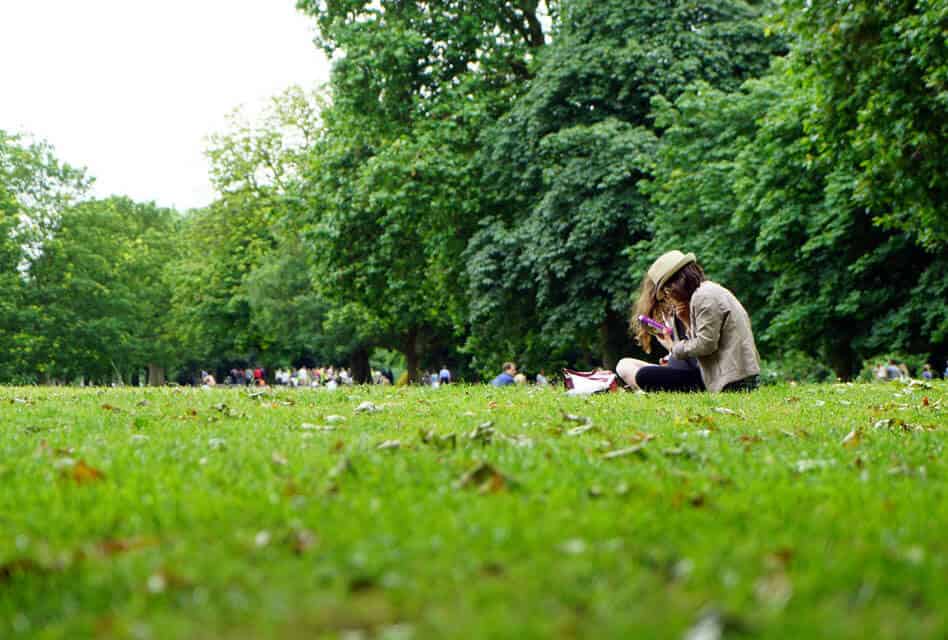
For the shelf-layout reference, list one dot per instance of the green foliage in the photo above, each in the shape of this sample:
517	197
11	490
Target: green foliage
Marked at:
562	169
34	187
795	366
744	185
98	292
878	72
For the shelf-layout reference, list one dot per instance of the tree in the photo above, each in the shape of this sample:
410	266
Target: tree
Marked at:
100	291
740	177
392	186
879	78
562	169
34	187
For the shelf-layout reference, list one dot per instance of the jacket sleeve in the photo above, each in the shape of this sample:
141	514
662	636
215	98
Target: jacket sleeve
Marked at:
706	318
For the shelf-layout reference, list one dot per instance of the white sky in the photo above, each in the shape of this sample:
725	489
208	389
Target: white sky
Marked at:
130	88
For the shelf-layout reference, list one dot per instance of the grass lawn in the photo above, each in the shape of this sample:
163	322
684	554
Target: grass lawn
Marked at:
792	512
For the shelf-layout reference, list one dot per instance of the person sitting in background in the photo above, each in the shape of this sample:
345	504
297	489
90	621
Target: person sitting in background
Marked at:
444	376
892	371
506	376
716	349
520	380
542	380
927	372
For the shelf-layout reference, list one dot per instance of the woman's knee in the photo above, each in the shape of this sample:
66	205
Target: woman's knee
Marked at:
627	368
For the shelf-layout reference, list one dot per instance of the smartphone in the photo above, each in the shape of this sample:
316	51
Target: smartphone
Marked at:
654	326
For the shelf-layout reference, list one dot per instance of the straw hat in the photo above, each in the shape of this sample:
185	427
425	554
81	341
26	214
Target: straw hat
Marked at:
667	266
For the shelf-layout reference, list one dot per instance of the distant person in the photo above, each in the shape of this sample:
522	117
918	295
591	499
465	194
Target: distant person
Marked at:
707	332
879	372
892	371
444	376
506	376
520	380
927	373
542	380
208	380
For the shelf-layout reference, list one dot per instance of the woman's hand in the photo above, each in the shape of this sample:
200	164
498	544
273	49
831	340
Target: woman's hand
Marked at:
666	340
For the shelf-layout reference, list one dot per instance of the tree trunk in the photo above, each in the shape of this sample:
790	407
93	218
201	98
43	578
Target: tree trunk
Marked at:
841	360
359	366
614	339
156	375
410	349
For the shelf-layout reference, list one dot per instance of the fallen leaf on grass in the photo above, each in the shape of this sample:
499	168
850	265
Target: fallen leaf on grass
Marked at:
578	431
485	478
683	452
343	467
301	541
163	579
114	547
109	407
708	627
334	419
367	407
802	466
306	426
570	417
749	439
482	433
18	567
449	440
637	450
728	412
708	421
82	473
389	444
641	437
774	590
278	458
217	443
852	439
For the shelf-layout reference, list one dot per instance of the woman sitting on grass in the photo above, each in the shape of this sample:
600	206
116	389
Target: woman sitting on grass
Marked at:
708	333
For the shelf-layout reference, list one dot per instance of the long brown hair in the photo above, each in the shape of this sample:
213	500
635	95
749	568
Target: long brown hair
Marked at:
649	305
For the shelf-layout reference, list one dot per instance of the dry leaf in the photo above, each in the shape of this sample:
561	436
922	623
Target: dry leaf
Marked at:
485	478
302	541
641	437
115	547
638	450
577	431
367	407
569	417
82	473
483	433
390	444
852	439
278	458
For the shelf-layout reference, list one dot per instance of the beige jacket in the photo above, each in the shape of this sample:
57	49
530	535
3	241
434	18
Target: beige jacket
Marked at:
720	337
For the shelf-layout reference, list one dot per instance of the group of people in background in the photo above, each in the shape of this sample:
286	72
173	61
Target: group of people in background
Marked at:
328	377
898	371
509	375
